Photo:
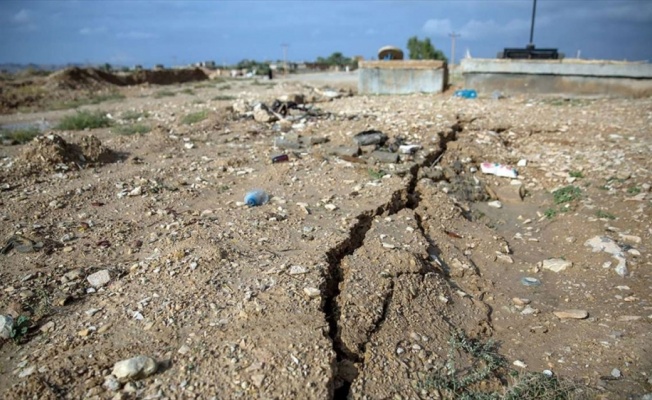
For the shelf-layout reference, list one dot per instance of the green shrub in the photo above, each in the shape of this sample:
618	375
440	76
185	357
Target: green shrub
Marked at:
194	117
567	194
20	135
84	120
132	129
163	93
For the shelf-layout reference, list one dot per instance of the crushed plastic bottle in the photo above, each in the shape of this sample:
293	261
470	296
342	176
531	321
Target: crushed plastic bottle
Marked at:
466	93
256	197
498	170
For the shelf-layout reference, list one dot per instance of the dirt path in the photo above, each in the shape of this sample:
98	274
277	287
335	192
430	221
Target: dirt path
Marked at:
356	280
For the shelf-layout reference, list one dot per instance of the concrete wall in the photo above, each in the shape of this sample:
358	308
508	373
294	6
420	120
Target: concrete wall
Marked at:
562	77
402	77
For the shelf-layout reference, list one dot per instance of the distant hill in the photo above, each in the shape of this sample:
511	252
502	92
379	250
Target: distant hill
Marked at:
15	67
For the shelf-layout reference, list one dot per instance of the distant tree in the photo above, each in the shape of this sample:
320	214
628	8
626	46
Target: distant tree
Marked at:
159	66
336	59
106	67
424	50
138	67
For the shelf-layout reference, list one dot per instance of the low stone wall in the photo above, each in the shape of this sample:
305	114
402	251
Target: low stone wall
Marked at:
402	77
560	77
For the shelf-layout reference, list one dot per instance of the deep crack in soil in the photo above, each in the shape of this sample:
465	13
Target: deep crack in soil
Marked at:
335	274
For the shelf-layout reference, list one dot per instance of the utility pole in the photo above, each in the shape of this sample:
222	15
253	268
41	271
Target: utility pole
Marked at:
453	36
285	59
534	13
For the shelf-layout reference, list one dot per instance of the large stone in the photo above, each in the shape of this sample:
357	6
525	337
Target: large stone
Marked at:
100	278
241	107
384	157
262	114
134	368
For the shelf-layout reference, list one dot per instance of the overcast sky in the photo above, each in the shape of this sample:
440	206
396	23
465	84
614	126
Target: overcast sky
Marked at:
128	32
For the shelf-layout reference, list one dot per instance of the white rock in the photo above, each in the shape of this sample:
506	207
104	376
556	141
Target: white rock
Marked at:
189	145
298	270
137	191
495	204
100	278
111	384
616	373
520	364
330	207
6	325
312	292
556	264
27	372
134	368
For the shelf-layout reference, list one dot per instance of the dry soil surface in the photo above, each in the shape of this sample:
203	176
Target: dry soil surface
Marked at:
357	278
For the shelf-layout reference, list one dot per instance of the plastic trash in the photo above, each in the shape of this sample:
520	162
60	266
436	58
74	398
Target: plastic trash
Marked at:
408	148
529	281
498	170
466	93
256	197
371	136
280	158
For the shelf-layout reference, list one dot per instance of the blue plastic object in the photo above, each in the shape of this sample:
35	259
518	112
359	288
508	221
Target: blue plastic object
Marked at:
466	93
256	197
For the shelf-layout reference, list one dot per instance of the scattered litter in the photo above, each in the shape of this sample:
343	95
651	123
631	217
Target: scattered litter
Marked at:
529	281
608	245
280	158
21	244
256	197
372	136
556	264
408	148
466	93
498	170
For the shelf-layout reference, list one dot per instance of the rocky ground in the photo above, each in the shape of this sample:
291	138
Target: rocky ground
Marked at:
370	273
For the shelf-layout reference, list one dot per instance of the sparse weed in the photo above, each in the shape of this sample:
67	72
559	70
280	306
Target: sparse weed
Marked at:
97	99
132	115
84	120
376	174
576	174
20	136
567	194
454	382
20	328
633	190
604	214
163	93
204	85
224	87
223	97
550	213
132	129
188	91
194	117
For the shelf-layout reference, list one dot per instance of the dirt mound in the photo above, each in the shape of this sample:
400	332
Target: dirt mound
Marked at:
90	78
52	152
166	76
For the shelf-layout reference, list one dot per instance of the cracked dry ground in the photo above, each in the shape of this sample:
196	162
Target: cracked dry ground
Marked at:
356	301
